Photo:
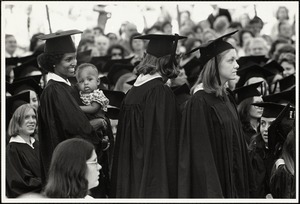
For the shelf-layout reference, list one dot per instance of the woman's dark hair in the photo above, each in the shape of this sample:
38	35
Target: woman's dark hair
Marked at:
241	33
47	61
288	152
116	46
243	110
67	173
33	41
274	45
132	38
151	64
284	49
84	43
235	25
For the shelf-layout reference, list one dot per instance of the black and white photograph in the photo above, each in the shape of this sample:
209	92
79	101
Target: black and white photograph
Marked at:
149	101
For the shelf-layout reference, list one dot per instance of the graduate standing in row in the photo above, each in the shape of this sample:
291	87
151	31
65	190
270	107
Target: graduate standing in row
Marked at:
145	157
213	157
60	117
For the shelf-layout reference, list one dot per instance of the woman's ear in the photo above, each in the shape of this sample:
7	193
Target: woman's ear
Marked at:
98	81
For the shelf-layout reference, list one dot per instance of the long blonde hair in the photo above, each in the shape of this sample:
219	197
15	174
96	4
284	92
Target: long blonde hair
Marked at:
18	118
208	76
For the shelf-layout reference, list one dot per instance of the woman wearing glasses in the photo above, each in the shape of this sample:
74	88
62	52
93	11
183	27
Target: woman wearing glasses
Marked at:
74	170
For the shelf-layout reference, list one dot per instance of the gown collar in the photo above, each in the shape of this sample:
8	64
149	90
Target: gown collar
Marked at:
57	78
145	78
198	88
19	139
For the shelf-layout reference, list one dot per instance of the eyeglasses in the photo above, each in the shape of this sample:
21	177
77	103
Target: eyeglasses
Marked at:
92	162
116	54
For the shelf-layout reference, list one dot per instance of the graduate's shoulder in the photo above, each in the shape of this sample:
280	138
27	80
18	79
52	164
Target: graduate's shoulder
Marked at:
203	96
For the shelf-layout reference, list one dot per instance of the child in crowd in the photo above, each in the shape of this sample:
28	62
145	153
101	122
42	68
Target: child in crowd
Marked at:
94	100
95	106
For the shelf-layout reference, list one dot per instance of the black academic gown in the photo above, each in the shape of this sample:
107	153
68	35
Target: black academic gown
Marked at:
262	160
22	169
60	118
213	158
146	148
283	183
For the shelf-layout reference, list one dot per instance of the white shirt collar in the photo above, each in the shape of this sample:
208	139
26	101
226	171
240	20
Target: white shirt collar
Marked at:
198	88
19	139
55	77
145	78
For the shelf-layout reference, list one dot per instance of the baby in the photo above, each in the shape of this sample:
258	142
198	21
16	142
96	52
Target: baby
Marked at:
94	100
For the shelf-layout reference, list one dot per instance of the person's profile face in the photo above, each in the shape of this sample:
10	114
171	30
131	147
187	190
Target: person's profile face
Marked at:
264	126
289	69
256	111
66	67
228	66
34	101
28	124
93	171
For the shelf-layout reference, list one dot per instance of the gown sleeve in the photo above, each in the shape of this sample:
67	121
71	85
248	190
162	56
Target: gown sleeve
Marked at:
63	115
198	176
20	178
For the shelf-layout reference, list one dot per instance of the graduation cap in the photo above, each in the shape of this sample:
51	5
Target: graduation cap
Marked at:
258	59
109	64
27	83
36	78
14	102
117	70
59	42
99	62
282	97
274	67
287	82
115	97
162	45
11	61
213	48
246	92
253	70
26	67
83	57
280	127
271	110
18	60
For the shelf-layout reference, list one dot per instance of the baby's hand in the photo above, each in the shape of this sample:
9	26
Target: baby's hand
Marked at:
98	123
